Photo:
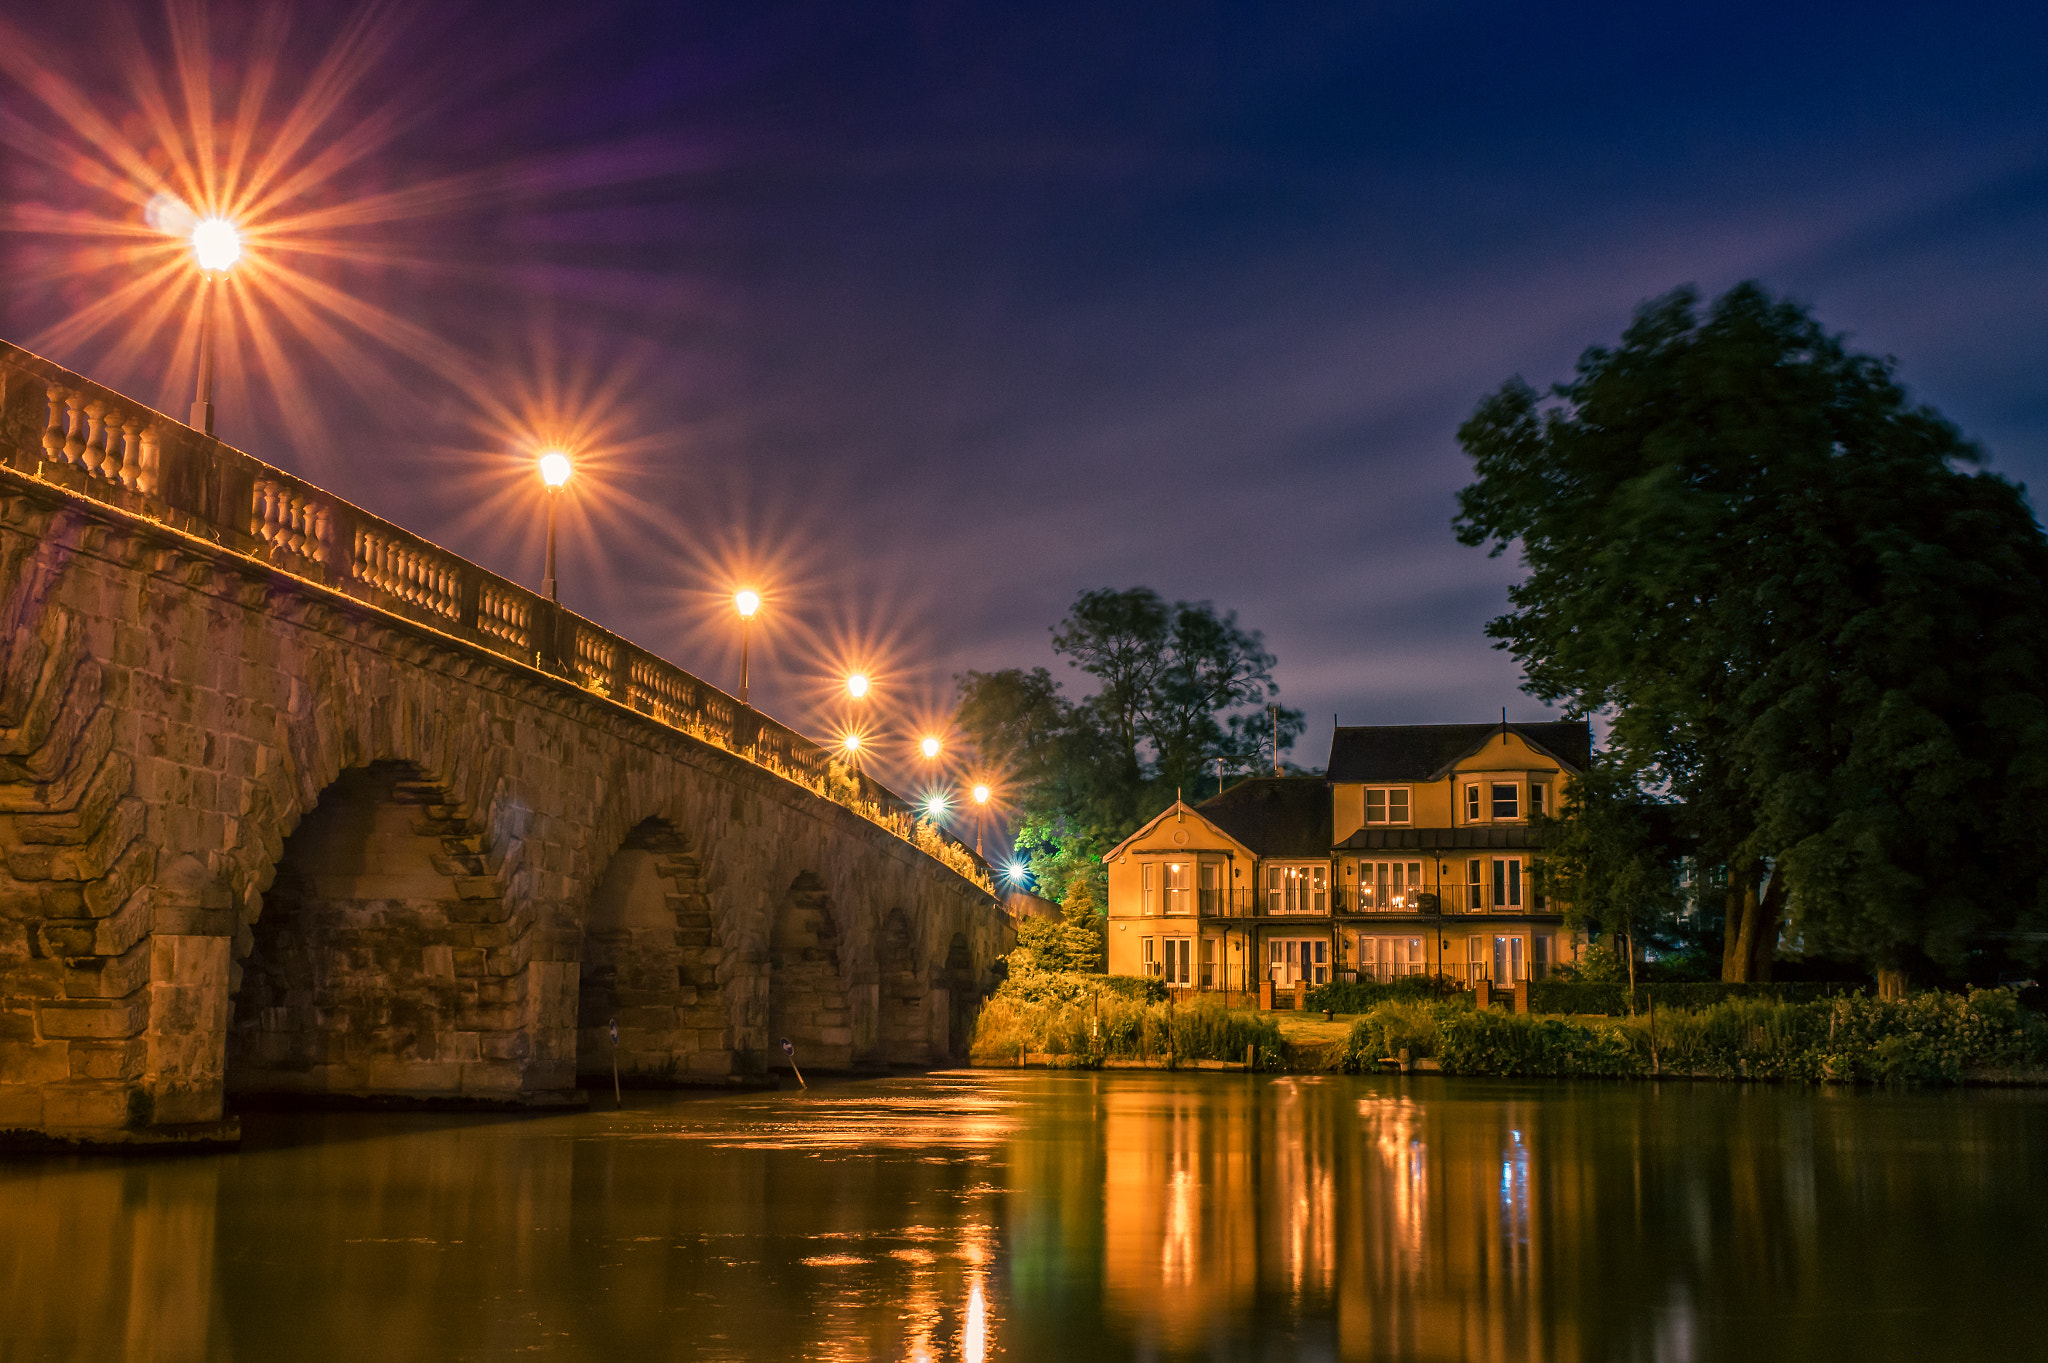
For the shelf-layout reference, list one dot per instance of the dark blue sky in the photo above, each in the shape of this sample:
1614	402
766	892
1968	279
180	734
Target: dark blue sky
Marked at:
956	310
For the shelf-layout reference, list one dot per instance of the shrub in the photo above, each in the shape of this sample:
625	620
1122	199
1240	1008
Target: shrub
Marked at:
1389	1028
1088	1030
1517	1044
1363	995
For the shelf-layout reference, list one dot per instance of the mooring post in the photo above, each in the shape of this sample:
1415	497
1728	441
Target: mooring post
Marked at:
617	1100
789	1049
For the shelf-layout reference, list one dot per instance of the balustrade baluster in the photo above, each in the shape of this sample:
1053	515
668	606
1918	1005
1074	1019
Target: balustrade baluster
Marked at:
147	479
128	469
97	420
53	427
74	436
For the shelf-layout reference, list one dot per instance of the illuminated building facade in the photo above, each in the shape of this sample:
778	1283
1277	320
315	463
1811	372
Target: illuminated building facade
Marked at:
1418	853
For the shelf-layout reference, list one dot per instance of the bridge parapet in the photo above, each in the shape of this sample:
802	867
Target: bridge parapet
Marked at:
64	429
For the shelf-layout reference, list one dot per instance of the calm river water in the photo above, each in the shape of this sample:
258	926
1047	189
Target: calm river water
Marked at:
1033	1215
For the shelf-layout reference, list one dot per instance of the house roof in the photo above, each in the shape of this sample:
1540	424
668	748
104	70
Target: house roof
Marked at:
1275	816
1178	806
1426	752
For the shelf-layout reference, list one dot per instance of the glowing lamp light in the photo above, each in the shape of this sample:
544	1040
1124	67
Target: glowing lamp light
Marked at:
930	747
554	468
747	602
981	795
1017	870
851	743
857	685
216	244
936	807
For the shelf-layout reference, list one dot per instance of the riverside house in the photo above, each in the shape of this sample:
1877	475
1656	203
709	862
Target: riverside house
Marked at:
1416	854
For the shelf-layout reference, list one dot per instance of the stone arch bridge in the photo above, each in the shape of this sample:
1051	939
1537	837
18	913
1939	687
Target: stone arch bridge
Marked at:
294	802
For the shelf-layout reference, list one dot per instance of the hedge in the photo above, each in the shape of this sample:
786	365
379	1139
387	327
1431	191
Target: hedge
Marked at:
1929	1037
1612	999
1359	996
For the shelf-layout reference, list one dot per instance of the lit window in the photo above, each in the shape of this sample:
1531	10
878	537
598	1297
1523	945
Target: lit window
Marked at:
1178	874
1506	802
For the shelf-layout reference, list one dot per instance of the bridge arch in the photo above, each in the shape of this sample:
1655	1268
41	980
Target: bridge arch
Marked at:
809	1001
653	957
384	957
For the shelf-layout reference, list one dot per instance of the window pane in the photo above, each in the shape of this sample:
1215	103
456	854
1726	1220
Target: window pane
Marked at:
1397	806
1472	802
1500	883
1375	806
1535	799
1515	883
1505	803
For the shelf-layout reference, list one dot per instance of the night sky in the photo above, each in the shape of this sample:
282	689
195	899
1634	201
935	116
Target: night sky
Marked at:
926	317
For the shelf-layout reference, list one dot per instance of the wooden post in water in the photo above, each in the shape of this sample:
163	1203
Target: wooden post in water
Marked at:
789	1049
617	1101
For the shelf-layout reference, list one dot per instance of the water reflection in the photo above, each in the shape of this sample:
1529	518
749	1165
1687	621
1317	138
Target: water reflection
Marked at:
975	1217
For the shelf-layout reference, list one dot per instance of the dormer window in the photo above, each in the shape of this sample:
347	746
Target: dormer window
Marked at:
1471	804
1507	802
1386	804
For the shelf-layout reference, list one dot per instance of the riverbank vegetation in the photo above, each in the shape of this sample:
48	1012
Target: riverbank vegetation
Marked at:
1927	1037
1087	1020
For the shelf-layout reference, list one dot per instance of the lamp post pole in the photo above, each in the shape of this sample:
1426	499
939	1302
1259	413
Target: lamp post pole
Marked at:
216	246
548	583
202	398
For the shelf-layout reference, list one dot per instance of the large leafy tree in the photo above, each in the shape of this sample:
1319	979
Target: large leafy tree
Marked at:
1817	624
1178	686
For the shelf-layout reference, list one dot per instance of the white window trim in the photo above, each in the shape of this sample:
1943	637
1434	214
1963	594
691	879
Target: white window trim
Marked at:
1407	803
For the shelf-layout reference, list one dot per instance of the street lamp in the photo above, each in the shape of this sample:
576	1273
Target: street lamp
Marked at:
857	685
935	808
216	246
981	794
554	471
930	748
746	602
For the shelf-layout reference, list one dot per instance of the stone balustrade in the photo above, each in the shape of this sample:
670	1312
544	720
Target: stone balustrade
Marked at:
64	429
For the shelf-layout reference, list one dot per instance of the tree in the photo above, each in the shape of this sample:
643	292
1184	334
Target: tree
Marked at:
1614	857
1176	686
1813	622
1073	942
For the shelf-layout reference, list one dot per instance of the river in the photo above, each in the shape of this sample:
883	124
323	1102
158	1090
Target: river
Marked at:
1060	1215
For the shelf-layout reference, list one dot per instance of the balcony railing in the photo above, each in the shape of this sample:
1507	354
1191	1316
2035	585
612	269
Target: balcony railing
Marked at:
69	432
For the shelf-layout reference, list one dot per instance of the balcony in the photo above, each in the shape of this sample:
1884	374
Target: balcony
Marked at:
1228	903
1348	900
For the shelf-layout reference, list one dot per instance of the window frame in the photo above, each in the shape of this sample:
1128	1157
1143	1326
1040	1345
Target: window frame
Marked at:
1504	794
1473	804
1387	794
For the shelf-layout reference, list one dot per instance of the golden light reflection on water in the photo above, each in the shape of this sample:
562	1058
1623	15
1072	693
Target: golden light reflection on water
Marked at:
1027	1215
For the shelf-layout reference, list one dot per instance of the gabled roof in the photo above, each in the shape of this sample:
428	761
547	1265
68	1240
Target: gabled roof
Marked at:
1275	816
1427	752
1177	807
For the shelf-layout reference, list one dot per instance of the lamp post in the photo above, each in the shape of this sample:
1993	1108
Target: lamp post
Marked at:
746	601
930	748
216	245
981	794
554	471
